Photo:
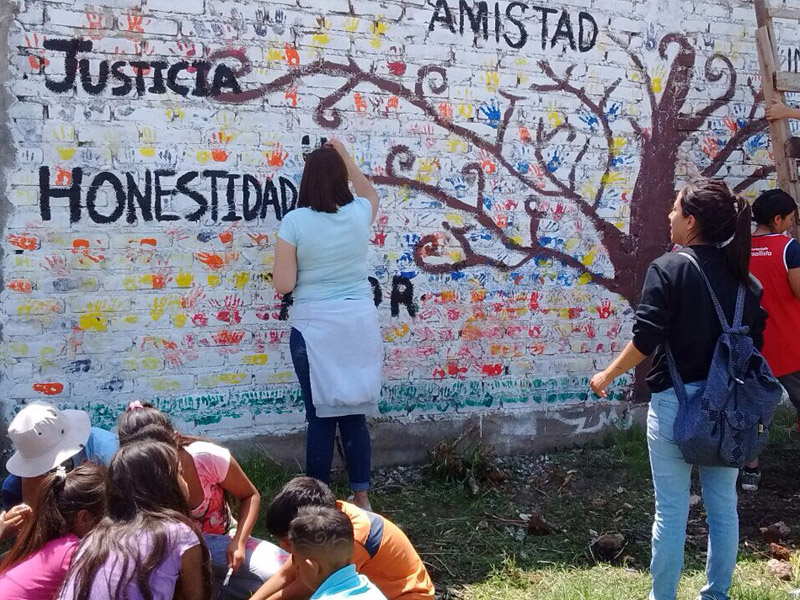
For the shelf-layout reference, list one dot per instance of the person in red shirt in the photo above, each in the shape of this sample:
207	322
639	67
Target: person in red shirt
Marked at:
775	261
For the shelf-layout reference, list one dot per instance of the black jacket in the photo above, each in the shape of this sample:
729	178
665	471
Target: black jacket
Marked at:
677	307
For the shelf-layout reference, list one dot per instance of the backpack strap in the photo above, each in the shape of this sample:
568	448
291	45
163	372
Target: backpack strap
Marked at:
677	381
738	313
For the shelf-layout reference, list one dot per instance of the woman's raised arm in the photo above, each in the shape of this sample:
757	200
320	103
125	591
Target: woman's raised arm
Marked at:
362	186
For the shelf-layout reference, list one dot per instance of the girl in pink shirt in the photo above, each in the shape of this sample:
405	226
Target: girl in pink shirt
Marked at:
67	508
210	471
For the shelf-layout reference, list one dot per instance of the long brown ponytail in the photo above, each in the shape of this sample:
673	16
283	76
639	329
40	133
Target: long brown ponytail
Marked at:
722	219
61	497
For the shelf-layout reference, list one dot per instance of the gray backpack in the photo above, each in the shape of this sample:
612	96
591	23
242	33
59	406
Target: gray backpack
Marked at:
726	423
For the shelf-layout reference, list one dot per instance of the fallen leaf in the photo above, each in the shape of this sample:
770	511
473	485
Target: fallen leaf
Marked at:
776	532
538	525
608	546
779	552
780	569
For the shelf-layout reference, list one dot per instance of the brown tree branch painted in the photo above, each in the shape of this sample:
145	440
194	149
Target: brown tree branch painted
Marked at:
629	251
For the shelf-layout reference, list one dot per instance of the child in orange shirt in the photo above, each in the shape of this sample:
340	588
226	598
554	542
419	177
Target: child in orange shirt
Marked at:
381	550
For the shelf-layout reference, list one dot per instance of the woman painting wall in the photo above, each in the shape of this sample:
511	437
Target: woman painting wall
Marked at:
321	257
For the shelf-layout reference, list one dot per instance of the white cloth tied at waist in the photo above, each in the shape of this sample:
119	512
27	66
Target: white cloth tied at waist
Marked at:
345	355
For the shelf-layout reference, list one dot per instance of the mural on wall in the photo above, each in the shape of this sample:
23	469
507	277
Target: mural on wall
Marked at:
526	156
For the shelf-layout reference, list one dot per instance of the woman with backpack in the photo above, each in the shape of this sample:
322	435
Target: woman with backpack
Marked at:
677	312
775	261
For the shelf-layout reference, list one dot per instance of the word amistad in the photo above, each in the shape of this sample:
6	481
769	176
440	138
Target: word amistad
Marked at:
510	24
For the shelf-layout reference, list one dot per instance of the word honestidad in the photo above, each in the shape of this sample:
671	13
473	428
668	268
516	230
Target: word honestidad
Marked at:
245	196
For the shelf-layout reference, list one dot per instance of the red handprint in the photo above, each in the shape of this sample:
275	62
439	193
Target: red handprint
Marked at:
605	310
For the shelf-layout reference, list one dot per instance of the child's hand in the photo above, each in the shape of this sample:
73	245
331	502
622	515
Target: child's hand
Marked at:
12	520
236	554
778	110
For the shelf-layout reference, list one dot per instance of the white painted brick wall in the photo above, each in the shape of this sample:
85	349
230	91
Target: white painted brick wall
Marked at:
183	313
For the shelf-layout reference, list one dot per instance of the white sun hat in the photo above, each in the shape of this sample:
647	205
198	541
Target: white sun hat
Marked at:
44	437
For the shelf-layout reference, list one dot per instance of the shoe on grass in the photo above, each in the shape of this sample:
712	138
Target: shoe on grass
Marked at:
750	480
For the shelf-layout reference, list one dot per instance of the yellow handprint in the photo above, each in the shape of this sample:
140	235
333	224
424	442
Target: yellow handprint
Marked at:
466	109
491	80
554	116
657	74
351	24
378	30
321	37
147	136
66	135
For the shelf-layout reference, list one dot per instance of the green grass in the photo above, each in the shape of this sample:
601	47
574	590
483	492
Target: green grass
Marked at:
477	548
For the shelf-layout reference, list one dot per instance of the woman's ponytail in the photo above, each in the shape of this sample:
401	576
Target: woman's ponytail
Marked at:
737	252
723	219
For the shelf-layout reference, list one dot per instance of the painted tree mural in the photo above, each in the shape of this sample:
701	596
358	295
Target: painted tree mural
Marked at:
554	184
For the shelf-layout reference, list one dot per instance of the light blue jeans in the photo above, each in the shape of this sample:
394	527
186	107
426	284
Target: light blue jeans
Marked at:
671	479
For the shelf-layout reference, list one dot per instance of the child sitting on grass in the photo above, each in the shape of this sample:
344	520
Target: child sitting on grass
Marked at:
210	471
68	506
322	546
381	550
146	547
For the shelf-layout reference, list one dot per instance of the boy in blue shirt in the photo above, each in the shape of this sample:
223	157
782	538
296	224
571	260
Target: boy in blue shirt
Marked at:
322	548
45	437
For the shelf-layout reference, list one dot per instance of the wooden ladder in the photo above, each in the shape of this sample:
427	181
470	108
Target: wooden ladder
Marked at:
785	148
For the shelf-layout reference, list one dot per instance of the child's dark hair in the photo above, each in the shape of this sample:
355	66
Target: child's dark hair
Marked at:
143	421
771	204
143	496
299	493
323	533
722	219
61	497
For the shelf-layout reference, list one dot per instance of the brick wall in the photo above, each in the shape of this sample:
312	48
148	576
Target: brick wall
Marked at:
525	154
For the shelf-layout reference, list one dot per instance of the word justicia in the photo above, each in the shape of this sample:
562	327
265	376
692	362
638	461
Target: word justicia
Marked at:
124	76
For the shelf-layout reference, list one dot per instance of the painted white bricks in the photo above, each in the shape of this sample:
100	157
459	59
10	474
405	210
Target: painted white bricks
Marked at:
119	294
182	6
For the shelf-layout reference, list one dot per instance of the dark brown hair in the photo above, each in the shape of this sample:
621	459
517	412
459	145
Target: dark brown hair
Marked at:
723	219
323	533
60	499
143	495
771	204
299	493
143	421
324	186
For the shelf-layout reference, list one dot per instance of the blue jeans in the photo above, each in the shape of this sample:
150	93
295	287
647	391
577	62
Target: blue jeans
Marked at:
322	431
671	479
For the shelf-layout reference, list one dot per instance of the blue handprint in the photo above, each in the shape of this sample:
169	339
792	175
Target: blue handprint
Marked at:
555	162
756	142
492	112
591	120
458	185
613	112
